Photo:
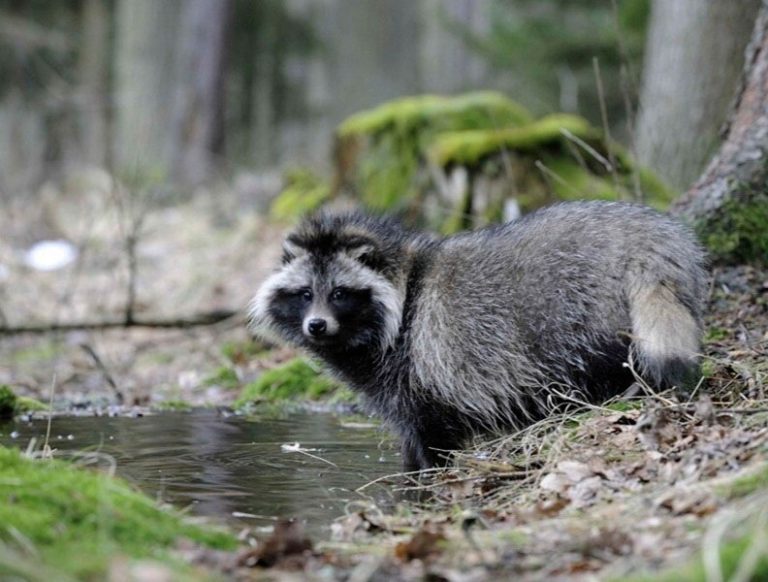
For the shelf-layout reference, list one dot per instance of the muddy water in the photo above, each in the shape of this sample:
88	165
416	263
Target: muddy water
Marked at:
229	466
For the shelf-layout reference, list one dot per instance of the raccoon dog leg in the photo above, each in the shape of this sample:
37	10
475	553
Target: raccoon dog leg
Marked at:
665	336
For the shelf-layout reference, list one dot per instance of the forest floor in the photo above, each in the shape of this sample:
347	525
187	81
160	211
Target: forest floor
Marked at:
650	485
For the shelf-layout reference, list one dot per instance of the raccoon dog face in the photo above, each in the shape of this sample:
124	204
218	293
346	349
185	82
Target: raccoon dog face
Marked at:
333	291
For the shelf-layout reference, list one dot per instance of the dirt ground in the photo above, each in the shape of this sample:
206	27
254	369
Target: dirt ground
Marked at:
191	258
630	487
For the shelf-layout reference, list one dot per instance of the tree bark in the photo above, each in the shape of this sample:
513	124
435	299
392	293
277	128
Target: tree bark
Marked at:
694	54
197	135
730	199
446	63
93	81
144	55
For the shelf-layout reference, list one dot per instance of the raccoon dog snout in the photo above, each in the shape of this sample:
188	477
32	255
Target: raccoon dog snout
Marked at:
317	327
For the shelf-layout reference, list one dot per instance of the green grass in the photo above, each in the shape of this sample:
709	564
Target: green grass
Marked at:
75	521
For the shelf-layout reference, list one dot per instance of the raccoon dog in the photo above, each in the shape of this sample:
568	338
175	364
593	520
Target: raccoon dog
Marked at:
485	331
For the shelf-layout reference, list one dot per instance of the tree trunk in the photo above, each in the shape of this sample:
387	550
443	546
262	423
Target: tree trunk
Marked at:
693	57
447	64
93	80
144	56
729	202
197	135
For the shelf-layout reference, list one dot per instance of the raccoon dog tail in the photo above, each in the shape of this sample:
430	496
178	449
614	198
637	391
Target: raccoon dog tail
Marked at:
665	331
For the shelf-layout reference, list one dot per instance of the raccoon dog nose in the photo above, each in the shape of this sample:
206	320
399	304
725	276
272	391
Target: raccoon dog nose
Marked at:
317	327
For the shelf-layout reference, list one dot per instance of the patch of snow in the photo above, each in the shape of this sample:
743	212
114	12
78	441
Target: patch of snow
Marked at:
50	255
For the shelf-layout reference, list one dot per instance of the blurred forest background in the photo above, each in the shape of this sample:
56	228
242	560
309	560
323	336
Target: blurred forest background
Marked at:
189	91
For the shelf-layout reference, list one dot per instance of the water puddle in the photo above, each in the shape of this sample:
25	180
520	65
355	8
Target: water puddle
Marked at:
228	466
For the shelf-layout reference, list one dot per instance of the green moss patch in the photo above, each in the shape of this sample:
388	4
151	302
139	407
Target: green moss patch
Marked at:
440	113
731	555
11	404
294	380
745	484
738	232
469	147
304	192
76	520
224	376
402	156
7	402
379	152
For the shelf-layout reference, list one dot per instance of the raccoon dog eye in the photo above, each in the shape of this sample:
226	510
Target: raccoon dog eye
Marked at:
338	294
306	294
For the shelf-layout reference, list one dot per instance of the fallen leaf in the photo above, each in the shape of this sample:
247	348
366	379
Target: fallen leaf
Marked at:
287	540
424	544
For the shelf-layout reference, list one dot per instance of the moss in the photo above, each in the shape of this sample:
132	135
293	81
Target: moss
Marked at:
399	132
708	368
296	379
738	233
386	156
11	404
714	334
545	139
745	484
625	405
731	555
410	114
76	521
7	401
470	147
40	352
173	405
304	192
224	376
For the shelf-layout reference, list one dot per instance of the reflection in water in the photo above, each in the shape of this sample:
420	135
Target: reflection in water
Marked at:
219	465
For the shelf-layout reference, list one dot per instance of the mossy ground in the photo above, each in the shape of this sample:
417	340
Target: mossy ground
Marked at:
294	381
12	404
76	522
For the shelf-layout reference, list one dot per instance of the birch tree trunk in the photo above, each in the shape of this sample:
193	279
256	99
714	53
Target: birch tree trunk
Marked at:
729	202
694	54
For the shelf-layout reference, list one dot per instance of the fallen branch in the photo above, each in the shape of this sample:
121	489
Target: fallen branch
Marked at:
201	319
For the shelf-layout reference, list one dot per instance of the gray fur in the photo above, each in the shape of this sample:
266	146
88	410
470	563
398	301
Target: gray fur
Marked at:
484	330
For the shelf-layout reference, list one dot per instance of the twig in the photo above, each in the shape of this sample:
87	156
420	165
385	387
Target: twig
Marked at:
408	474
592	151
47	453
107	376
296	448
201	319
604	117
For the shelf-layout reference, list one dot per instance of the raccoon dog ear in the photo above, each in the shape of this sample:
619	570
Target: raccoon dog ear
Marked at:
363	252
292	251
